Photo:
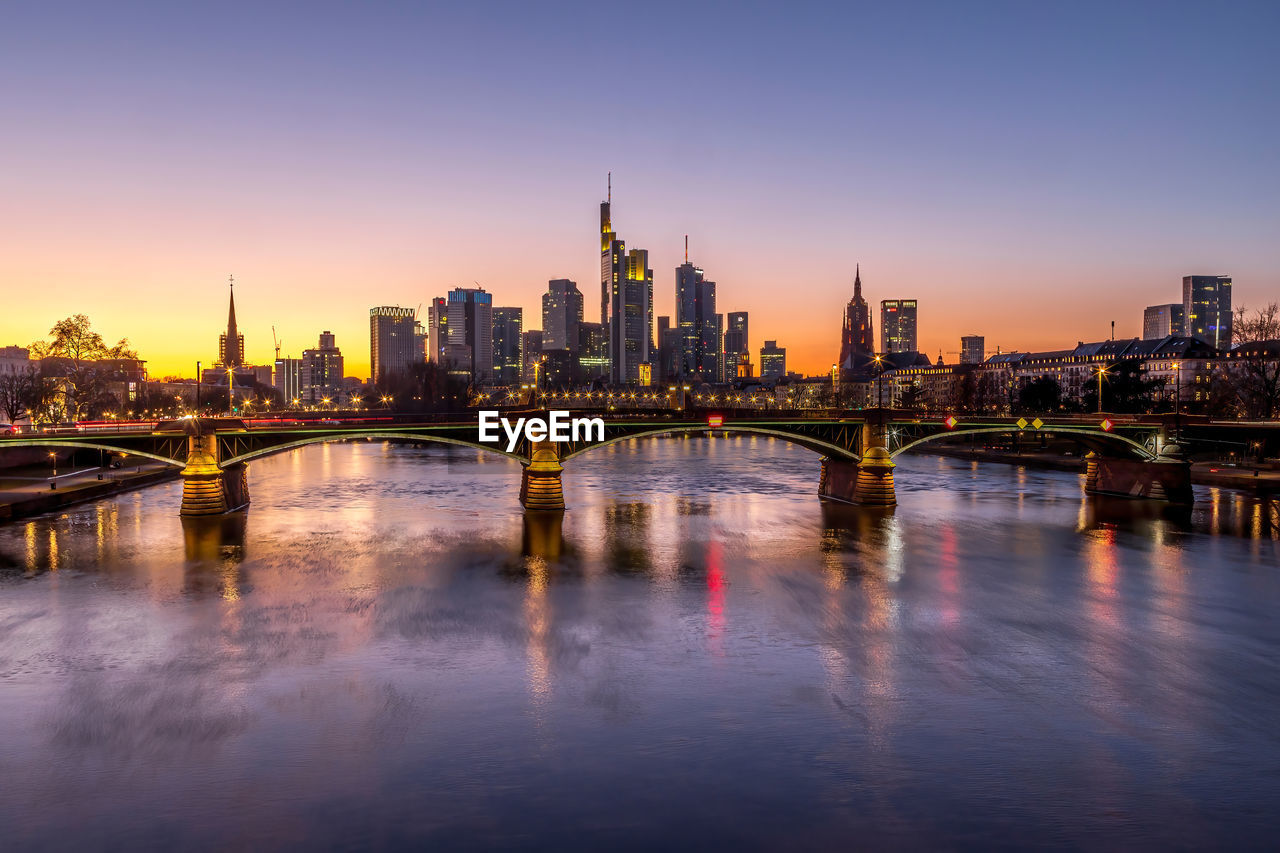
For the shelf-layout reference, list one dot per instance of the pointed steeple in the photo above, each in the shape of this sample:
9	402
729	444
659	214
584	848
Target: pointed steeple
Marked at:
231	345
857	282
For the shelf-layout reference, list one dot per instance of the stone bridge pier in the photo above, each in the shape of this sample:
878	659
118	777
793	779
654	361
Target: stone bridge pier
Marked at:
540	487
868	481
208	488
1165	478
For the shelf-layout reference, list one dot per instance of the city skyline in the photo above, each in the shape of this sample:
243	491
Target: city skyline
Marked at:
985	194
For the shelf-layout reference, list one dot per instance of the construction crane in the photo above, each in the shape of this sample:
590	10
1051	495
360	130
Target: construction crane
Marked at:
277	342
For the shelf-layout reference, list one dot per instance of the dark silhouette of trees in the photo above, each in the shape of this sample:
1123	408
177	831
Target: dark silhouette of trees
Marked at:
1043	394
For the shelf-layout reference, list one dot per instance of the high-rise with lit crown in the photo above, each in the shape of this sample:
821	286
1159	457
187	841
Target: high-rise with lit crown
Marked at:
391	341
626	301
470	350
736	343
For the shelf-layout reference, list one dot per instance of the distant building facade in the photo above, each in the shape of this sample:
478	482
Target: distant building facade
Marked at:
391	341
1206	309
562	307
437	329
508	345
321	372
531	351
1160	321
737	342
973	349
773	361
898	325
470	350
699	325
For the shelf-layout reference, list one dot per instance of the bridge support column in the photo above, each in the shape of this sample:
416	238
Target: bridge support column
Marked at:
235	485
203	488
1166	478
875	479
1091	472
540	486
838	480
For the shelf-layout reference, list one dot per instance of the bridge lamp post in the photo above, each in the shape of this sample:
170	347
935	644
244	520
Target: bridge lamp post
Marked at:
53	460
1102	371
879	360
1177	398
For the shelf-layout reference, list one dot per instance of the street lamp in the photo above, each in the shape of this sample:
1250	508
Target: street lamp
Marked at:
1177	398
53	460
1102	371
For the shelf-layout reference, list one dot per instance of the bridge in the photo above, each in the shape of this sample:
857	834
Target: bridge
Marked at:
1129	456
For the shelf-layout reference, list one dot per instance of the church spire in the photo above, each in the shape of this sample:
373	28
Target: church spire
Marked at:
857	282
231	345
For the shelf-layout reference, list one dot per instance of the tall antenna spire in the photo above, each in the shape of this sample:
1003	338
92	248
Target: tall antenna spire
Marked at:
610	196
686	248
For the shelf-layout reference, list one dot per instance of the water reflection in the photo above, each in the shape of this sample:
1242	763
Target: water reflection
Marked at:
698	631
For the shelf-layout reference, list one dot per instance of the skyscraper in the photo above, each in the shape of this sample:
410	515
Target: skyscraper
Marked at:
561	314
391	336
1206	309
857	343
437	329
973	349
626	300
470	349
697	323
287	379
736	342
898	325
1160	321
231	343
773	361
593	352
508	345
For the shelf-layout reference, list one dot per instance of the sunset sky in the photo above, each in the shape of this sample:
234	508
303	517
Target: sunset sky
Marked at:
1028	171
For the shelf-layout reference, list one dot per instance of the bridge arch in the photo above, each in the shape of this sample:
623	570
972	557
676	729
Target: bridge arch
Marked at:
357	436
89	445
818	446
1091	439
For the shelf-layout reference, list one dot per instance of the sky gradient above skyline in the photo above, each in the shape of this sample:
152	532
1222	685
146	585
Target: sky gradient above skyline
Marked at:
1028	172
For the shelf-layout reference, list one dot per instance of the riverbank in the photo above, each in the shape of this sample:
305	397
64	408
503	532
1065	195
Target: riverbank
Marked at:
1202	473
23	500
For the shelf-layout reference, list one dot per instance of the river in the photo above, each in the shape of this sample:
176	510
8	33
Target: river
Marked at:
384	651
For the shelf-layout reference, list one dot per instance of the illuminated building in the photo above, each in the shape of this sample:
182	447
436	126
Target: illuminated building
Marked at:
508	345
1160	321
320	375
626	301
698	323
973	349
668	364
286	378
391	341
561	314
773	361
470	348
1206	309
593	352
231	343
437	329
531	347
898	325
736	343
857	343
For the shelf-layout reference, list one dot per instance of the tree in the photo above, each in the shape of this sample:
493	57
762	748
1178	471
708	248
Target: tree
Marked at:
1255	365
19	393
73	352
912	397
1042	394
1126	390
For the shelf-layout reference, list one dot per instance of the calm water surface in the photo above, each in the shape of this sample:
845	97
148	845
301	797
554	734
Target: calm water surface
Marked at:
384	651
